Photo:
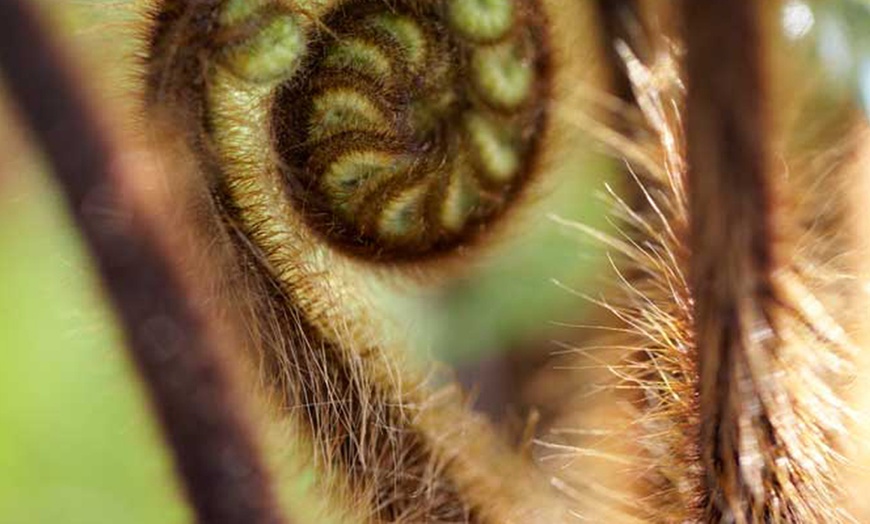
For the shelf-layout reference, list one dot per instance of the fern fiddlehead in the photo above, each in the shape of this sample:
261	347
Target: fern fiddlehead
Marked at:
396	132
415	126
345	143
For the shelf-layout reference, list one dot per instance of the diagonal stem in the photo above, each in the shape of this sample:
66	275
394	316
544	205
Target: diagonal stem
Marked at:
732	239
172	343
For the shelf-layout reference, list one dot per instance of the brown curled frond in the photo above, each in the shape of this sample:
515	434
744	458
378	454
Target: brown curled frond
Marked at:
338	138
397	133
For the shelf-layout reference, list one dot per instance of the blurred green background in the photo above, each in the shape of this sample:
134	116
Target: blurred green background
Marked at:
76	441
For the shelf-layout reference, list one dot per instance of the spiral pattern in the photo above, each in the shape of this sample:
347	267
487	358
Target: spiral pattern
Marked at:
401	130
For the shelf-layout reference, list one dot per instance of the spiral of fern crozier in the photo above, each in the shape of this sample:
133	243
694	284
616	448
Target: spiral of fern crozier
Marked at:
402	129
337	137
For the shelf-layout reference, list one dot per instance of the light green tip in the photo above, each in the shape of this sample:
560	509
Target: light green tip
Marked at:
408	34
339	110
403	214
461	197
361	56
499	157
271	55
348	174
481	19
236	11
502	75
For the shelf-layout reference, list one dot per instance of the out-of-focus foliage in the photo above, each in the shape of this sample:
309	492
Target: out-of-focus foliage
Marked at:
77	444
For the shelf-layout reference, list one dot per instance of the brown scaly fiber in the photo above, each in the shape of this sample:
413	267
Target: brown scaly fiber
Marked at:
766	349
727	358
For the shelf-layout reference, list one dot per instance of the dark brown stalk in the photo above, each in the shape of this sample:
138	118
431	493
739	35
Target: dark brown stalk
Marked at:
171	342
732	248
